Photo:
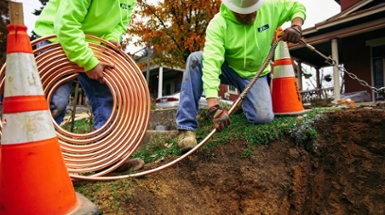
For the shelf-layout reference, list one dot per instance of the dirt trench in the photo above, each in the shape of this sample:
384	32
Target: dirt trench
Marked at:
344	173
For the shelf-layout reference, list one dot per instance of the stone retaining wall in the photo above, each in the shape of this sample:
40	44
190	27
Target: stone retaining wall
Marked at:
162	119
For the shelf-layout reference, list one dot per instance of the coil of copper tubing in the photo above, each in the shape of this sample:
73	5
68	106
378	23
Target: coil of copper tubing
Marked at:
105	149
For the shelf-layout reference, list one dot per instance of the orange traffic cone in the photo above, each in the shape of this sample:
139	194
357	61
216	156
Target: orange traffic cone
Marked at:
33	175
285	94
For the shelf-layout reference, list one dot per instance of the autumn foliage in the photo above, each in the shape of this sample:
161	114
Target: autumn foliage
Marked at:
175	28
4	21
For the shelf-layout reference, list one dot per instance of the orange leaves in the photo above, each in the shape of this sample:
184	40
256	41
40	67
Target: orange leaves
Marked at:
175	27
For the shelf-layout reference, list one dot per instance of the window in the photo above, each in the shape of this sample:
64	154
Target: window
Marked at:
232	89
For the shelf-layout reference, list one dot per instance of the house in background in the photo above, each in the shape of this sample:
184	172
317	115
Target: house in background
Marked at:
355	39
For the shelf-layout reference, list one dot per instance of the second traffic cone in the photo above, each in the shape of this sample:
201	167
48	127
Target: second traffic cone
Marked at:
285	94
33	175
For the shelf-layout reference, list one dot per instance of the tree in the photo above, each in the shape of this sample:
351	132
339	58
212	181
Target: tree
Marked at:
37	12
4	21
175	28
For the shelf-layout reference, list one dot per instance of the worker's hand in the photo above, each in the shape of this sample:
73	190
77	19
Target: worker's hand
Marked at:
292	34
116	43
97	72
219	117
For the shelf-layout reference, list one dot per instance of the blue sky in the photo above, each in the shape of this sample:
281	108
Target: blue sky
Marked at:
319	10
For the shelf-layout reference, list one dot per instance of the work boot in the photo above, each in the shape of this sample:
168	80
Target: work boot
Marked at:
132	164
186	140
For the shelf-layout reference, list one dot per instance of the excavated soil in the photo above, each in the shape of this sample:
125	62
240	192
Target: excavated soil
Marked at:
343	174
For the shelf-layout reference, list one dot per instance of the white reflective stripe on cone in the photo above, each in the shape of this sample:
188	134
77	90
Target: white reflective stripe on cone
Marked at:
283	71
21	81
282	51
27	127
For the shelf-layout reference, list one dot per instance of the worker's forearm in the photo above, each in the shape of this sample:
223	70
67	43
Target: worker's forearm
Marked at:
212	102
297	21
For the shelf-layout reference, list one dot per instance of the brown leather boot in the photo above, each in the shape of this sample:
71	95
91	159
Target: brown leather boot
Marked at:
186	140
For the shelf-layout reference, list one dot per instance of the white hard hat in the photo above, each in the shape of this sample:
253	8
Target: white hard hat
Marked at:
243	6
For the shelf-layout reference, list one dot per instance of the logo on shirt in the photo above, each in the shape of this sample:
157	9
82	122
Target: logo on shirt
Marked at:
263	28
125	6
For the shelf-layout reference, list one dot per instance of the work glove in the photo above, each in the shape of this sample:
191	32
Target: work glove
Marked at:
219	117
292	34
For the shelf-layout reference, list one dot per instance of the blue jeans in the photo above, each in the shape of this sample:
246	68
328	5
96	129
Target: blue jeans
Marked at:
99	96
257	104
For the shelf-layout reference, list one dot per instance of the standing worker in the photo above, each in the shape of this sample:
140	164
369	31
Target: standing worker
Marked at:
238	40
70	21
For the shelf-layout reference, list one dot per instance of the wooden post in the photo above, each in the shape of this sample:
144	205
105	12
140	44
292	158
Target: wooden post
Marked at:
73	115
16	14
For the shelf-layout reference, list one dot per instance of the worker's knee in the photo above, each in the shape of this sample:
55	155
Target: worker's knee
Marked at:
261	118
195	60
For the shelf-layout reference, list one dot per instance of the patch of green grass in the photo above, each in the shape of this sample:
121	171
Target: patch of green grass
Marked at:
79	126
300	128
158	148
107	194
